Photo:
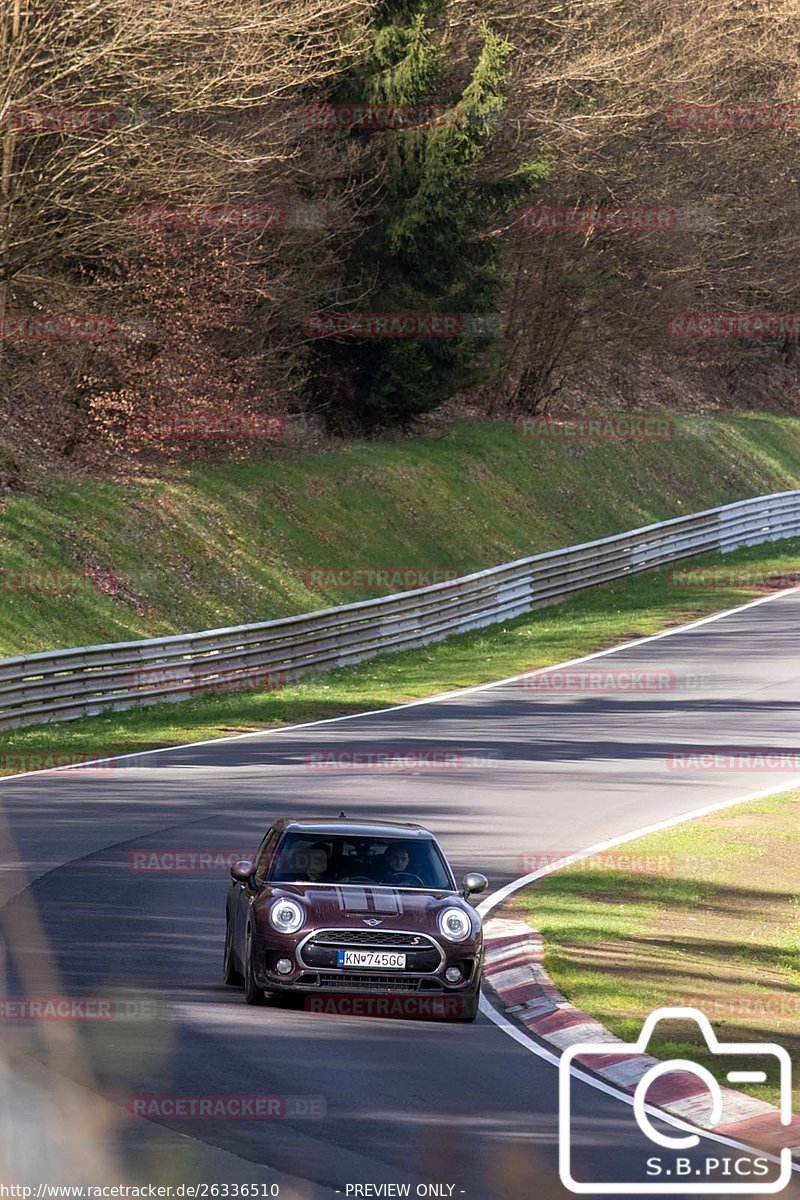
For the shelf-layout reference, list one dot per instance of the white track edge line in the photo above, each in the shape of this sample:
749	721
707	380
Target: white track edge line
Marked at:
499	1019
478	687
600	1085
526	1040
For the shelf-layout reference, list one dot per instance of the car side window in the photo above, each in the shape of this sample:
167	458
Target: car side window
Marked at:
264	857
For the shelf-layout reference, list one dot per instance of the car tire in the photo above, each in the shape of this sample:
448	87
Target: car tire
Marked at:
231	976
253	994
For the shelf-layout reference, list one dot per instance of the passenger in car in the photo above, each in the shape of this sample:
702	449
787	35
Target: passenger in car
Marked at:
319	870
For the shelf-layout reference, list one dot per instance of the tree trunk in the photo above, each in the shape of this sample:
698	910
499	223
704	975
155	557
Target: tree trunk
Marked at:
9	36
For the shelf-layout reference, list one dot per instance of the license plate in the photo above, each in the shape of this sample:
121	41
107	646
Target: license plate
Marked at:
382	959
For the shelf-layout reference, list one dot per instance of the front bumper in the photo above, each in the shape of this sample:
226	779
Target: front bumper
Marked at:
314	971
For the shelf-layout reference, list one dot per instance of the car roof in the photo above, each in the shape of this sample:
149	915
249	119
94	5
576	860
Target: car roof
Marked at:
344	828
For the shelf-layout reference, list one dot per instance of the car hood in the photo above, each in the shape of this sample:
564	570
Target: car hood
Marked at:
353	905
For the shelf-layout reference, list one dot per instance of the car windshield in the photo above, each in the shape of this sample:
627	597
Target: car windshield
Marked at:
334	858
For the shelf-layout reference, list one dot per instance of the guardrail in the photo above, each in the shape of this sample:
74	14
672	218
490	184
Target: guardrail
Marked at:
64	684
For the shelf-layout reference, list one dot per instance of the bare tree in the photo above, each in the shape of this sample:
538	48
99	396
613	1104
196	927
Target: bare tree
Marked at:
596	90
106	107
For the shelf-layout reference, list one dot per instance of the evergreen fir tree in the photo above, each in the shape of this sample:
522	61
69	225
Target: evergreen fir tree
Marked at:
426	248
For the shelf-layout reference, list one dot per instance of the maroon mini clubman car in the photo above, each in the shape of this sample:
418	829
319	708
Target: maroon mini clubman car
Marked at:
346	908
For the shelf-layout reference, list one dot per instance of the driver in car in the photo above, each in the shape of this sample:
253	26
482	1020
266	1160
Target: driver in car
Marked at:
397	862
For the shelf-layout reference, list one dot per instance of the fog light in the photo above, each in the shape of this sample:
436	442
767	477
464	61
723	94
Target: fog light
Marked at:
284	966
453	975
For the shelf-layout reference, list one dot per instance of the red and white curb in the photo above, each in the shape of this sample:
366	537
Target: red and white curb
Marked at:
514	970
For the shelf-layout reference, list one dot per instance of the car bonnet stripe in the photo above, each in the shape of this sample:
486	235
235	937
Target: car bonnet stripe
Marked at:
353	901
388	902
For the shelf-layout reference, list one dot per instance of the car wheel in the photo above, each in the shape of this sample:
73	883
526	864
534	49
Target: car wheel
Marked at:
230	974
252	993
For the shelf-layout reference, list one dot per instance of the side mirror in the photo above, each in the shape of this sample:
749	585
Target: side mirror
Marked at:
474	882
242	871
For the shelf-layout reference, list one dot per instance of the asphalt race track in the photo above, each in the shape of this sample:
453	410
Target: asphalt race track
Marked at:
540	772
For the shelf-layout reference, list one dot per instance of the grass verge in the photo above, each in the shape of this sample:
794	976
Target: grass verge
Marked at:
705	914
233	543
595	619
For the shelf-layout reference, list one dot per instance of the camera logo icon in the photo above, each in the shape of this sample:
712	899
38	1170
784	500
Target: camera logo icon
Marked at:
671	1172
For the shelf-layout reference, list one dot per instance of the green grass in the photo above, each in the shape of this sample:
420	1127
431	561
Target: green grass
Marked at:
233	543
594	619
715	927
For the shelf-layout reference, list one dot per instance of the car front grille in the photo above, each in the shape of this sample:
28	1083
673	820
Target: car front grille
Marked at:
320	950
369	937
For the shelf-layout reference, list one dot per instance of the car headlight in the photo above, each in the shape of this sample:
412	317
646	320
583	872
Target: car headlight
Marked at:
455	925
286	916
